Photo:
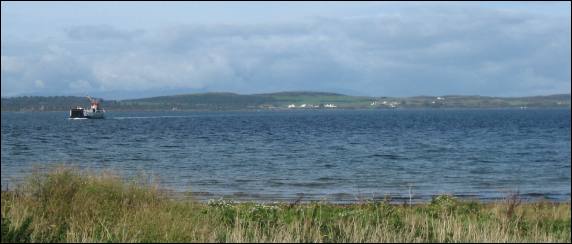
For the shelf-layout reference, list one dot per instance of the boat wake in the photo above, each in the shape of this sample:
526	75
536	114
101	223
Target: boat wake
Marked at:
153	117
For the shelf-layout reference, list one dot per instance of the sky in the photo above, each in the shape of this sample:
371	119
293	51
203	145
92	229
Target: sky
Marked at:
119	50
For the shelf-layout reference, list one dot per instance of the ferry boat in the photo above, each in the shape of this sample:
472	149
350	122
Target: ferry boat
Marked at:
94	112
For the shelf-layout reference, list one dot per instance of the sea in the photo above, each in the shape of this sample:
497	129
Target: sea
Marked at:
336	155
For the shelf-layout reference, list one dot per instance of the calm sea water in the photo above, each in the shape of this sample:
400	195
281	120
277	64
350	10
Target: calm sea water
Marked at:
334	155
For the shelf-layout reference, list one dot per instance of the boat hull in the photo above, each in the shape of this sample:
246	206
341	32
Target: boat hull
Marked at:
94	115
80	113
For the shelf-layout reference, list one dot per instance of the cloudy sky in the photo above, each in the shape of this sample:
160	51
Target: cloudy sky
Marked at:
121	50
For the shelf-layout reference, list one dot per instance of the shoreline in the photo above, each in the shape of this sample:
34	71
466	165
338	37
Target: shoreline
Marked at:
68	205
340	199
395	201
308	109
203	197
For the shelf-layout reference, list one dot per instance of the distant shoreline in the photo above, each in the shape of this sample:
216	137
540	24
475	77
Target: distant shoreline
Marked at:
300	110
283	101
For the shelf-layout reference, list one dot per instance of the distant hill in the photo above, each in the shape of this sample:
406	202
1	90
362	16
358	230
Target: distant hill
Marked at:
216	101
53	103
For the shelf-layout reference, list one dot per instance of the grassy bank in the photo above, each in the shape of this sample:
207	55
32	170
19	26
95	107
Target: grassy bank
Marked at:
67	205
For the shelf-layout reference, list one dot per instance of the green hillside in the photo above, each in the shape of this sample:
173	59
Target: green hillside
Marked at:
312	100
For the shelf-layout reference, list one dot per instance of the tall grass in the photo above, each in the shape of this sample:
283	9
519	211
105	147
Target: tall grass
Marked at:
67	205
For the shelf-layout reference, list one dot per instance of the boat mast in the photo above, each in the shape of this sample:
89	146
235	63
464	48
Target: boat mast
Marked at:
94	103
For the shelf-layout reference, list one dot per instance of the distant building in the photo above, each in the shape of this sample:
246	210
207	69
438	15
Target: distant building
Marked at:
393	104
303	105
291	106
439	101
330	106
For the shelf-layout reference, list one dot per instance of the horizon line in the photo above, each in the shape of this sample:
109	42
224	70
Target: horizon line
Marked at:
294	91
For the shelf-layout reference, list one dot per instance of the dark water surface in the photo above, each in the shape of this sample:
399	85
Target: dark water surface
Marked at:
335	155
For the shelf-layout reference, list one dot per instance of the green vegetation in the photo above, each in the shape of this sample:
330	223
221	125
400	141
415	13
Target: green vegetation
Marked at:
281	100
67	205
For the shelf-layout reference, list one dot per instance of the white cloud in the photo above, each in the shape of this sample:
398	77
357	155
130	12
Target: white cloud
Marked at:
101	32
80	86
466	51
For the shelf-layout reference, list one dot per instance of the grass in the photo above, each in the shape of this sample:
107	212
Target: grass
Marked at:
68	205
